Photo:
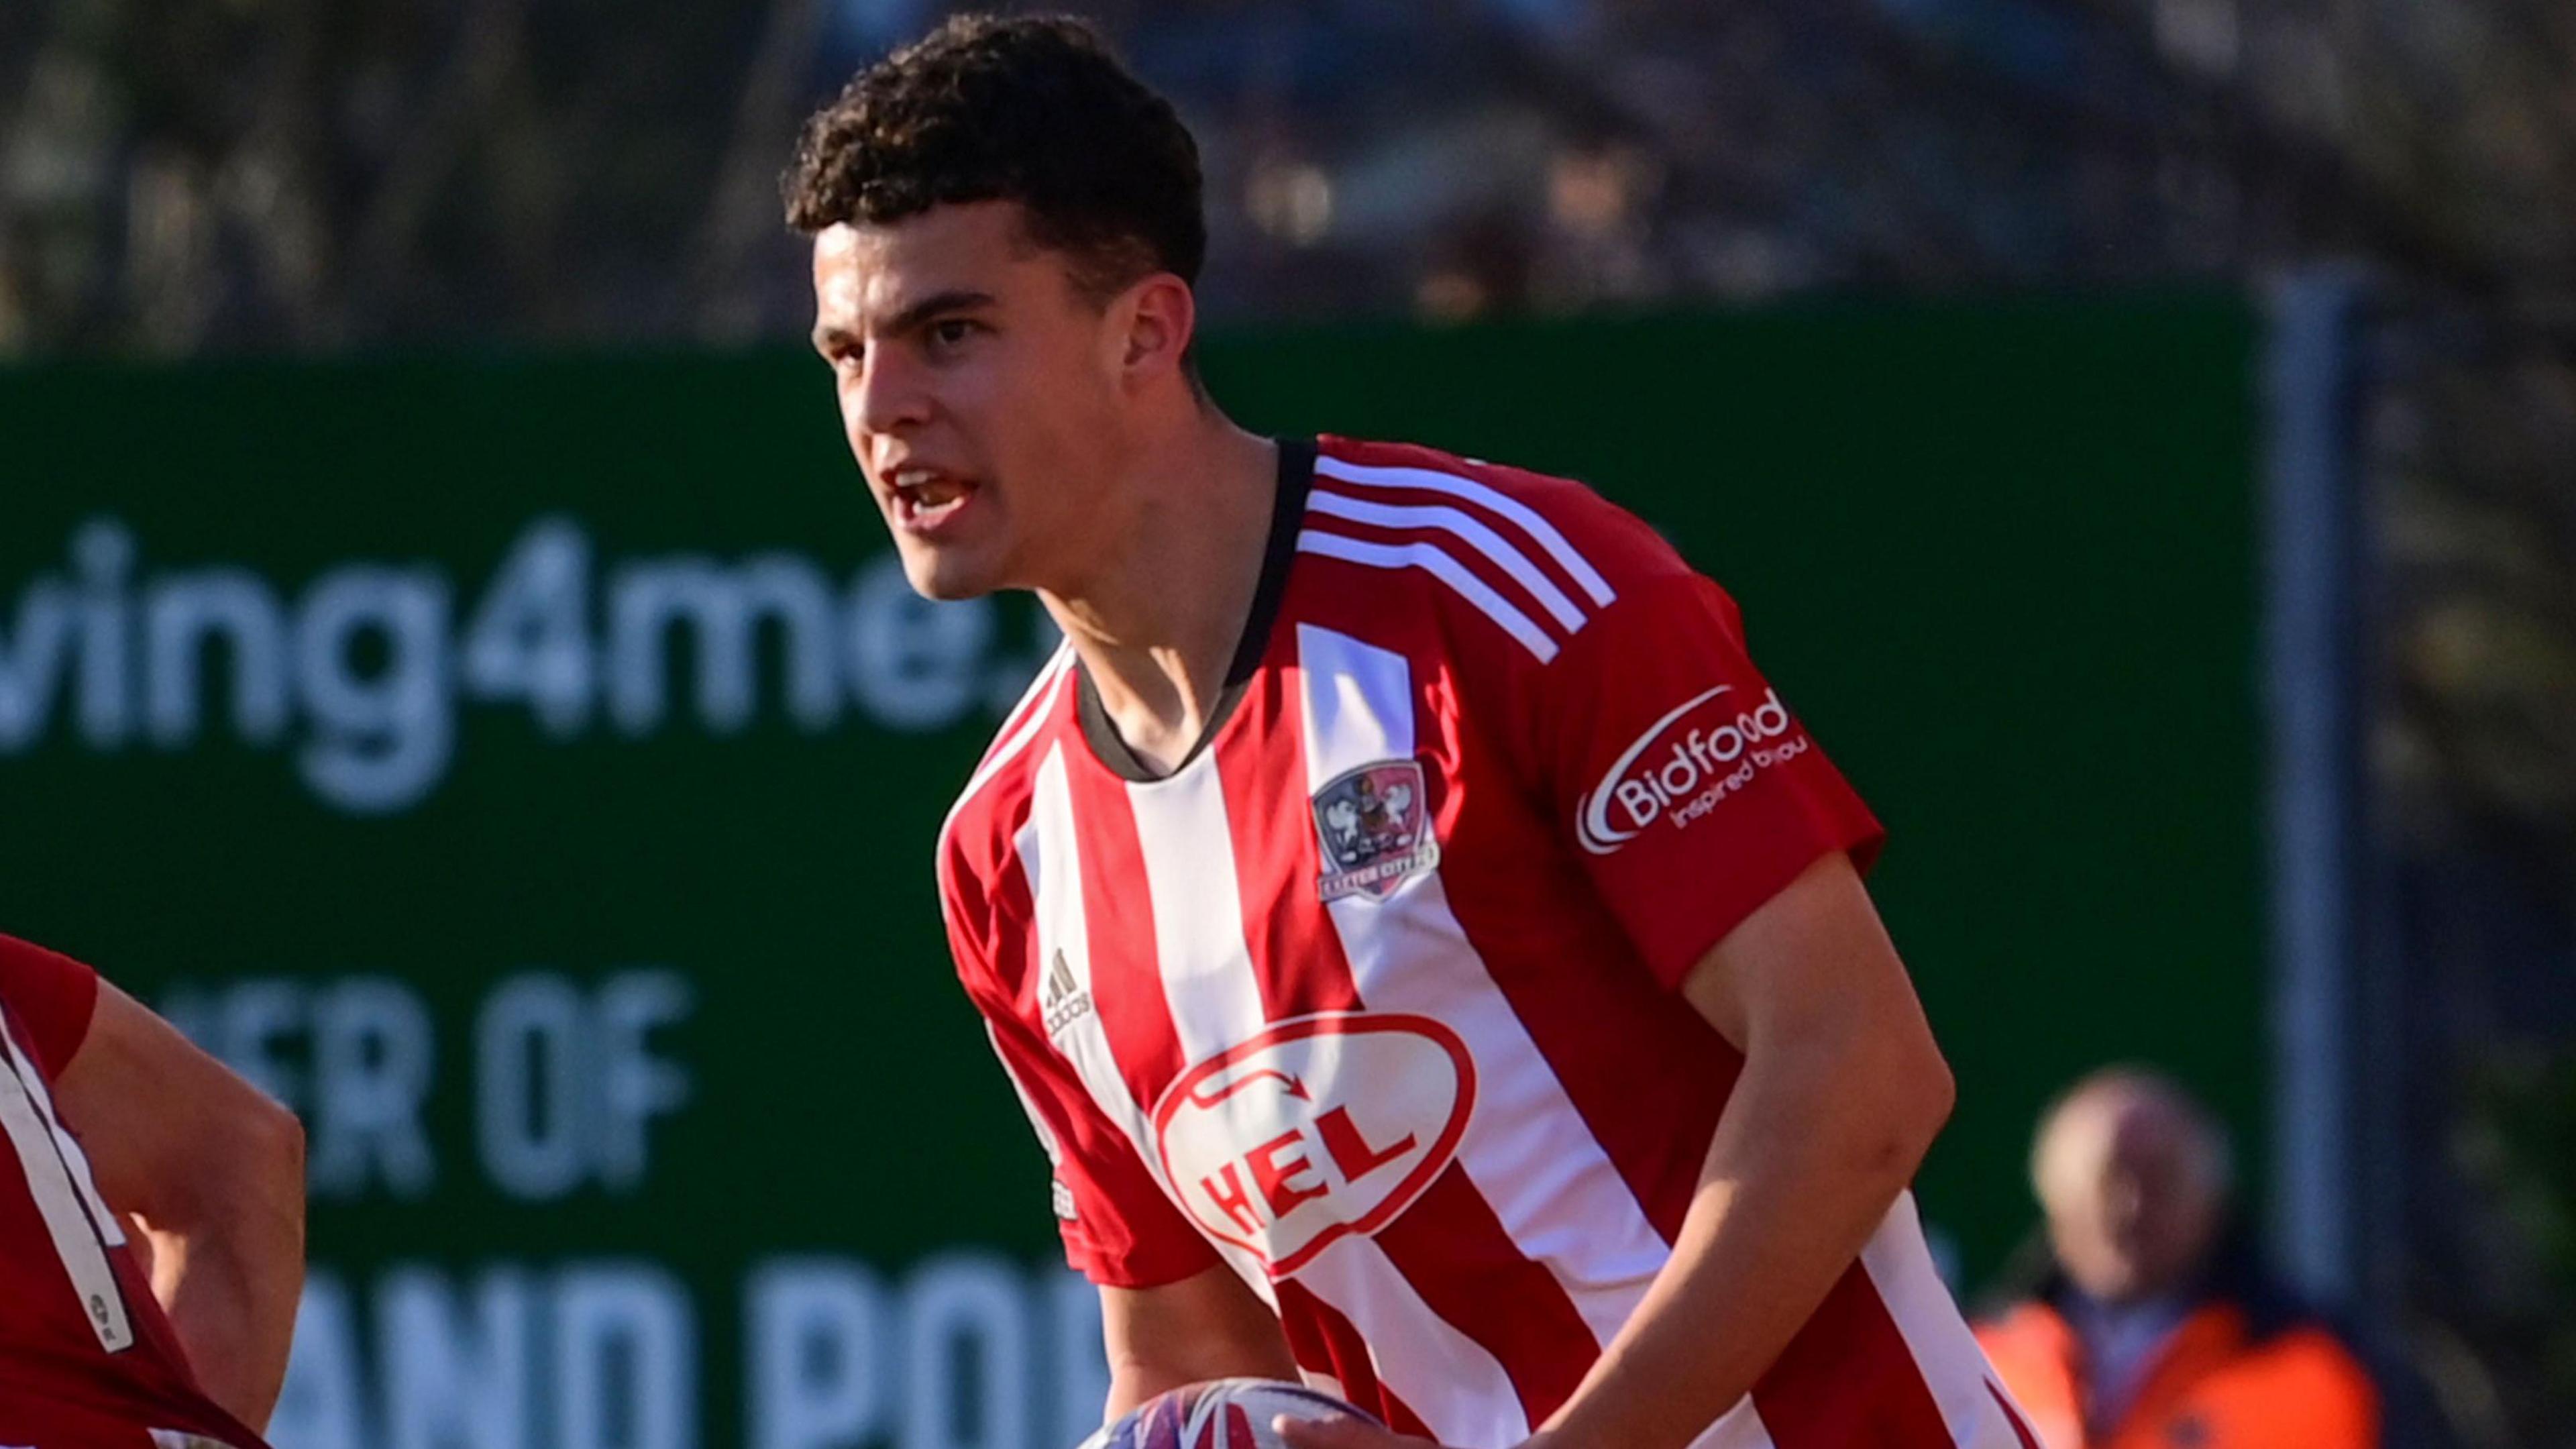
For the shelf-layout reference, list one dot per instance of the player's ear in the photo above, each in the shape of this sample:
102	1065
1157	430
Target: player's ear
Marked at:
1161	316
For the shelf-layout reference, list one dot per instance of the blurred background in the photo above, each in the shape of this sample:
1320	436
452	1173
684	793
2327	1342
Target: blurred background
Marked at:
2213	362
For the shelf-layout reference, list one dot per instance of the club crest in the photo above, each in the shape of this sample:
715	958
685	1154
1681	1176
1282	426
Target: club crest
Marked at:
1375	825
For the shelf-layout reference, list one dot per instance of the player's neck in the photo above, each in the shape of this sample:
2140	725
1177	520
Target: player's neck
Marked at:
1157	621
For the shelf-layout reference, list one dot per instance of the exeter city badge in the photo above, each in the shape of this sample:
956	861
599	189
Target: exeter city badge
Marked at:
1375	824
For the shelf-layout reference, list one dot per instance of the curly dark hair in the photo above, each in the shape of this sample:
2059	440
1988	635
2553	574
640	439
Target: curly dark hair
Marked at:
1034	110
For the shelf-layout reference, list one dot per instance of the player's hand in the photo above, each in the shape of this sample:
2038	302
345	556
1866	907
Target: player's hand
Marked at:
1340	1434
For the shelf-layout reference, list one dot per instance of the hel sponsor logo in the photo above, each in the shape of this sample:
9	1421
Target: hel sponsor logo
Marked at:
1319	1127
1683	765
1375	826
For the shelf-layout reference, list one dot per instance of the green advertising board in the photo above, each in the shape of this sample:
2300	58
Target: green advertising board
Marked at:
527	770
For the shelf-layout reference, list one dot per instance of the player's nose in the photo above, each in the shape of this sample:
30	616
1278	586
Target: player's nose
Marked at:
890	396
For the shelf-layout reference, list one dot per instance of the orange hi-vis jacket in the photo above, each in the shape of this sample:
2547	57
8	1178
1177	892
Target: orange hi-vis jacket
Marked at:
2217	1383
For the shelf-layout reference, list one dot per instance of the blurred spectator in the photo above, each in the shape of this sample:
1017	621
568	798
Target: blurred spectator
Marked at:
2153	1325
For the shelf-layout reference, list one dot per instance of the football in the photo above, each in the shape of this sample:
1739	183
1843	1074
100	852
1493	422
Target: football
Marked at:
1220	1414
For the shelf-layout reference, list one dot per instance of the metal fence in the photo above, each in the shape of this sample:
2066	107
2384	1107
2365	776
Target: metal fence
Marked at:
2468	461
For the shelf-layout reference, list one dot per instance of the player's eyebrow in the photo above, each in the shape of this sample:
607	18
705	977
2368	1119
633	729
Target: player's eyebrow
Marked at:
830	340
956	299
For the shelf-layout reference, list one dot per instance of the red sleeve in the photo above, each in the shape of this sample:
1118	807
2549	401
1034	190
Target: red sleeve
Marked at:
52	996
1119	1229
1690	791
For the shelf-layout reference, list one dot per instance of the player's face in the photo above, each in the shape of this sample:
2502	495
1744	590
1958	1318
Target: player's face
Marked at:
980	392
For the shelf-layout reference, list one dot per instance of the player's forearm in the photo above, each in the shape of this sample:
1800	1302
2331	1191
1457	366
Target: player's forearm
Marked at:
1817	1141
228	1266
1206	1326
1133	1380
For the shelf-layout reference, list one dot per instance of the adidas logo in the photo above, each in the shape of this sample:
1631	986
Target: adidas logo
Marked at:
1064	1002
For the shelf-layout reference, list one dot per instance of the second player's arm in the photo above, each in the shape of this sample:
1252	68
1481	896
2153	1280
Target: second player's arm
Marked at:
1842	1091
1207	1326
214	1172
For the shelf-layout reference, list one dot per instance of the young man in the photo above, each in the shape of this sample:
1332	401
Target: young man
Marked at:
1432	957
151	1224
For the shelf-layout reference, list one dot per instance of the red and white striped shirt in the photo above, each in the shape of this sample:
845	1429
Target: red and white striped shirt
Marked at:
87	1357
1372	999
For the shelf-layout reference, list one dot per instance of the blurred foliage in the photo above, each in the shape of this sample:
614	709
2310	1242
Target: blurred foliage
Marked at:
2470	444
179	176
2512	1146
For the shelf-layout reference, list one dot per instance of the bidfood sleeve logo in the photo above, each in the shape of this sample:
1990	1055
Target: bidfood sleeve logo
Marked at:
1319	1127
1706	749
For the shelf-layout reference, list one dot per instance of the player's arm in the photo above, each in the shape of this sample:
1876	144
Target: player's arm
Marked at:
1842	1091
1171	1312
1206	1326
1723	841
213	1173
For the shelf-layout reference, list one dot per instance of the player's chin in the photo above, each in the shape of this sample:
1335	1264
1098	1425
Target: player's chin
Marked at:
946	574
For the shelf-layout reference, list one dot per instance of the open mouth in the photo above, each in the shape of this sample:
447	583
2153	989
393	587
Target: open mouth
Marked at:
924	499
